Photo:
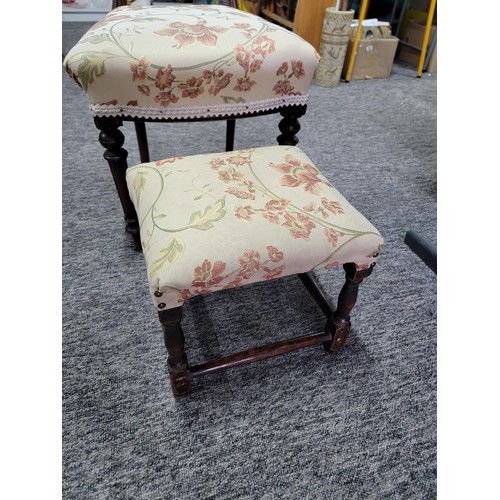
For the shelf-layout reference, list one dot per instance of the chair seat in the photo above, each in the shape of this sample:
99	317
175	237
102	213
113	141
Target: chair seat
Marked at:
190	61
216	221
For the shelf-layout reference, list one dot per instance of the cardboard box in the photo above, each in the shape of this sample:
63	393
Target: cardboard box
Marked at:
370	32
411	15
414	34
373	60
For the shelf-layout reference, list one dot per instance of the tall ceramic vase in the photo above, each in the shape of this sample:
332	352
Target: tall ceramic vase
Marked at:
333	46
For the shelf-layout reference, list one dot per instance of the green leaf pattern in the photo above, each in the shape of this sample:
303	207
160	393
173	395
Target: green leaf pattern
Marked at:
169	255
210	215
91	67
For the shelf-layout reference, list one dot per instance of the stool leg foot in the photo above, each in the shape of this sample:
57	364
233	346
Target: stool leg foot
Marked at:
339	325
112	139
178	367
290	125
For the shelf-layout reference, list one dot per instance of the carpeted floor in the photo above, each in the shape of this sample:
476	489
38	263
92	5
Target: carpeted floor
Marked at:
359	425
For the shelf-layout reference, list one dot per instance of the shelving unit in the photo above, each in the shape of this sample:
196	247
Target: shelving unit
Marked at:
280	11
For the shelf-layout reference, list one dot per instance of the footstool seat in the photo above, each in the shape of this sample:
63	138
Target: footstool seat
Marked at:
217	221
190	61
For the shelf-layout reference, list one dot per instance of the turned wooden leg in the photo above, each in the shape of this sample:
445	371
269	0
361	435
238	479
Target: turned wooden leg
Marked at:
290	125
112	139
142	140
230	129
339	324
178	367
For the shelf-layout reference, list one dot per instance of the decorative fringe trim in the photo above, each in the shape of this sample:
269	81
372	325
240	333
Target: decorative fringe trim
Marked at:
194	112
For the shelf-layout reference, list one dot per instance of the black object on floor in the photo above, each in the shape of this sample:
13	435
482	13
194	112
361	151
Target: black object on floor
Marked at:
422	248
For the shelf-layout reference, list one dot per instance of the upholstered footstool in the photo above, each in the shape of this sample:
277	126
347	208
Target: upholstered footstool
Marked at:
213	222
186	62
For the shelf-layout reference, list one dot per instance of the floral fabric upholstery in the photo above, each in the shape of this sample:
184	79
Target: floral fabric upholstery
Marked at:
216	221
189	61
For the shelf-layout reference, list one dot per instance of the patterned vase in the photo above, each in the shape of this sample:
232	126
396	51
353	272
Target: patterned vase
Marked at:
333	46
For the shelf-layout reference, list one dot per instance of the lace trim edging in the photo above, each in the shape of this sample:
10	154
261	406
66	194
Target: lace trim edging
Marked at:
218	110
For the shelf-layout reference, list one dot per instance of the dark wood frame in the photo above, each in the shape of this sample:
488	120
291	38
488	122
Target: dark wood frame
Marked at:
337	328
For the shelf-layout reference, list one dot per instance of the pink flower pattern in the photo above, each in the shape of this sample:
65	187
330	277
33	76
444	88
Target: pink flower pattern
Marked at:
220	83
299	174
245	212
296	174
210	277
230	174
244	84
300	225
159	163
213	82
332	236
278	205
283	87
242	195
263	46
144	89
274	254
271	217
327	208
332	206
165	98
272	273
282	70
139	69
188	34
166	84
236	171
297	69
192	88
249	264
164	78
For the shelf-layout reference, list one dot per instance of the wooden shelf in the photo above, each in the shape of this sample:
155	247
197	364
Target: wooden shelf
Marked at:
279	11
276	18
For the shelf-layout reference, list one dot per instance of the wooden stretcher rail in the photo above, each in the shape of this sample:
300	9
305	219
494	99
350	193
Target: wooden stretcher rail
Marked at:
260	353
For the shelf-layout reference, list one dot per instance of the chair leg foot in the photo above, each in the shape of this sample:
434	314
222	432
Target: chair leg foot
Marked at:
338	335
338	324
178	367
181	384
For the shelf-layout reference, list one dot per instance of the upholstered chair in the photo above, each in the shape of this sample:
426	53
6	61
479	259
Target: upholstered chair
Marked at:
187	62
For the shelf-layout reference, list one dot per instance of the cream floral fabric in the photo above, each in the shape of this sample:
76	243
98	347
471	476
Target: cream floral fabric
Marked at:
216	221
189	61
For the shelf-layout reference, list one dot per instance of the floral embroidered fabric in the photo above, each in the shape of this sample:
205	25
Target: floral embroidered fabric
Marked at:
189	61
216	221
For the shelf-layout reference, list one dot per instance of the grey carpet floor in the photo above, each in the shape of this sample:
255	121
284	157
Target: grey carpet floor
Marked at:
308	425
